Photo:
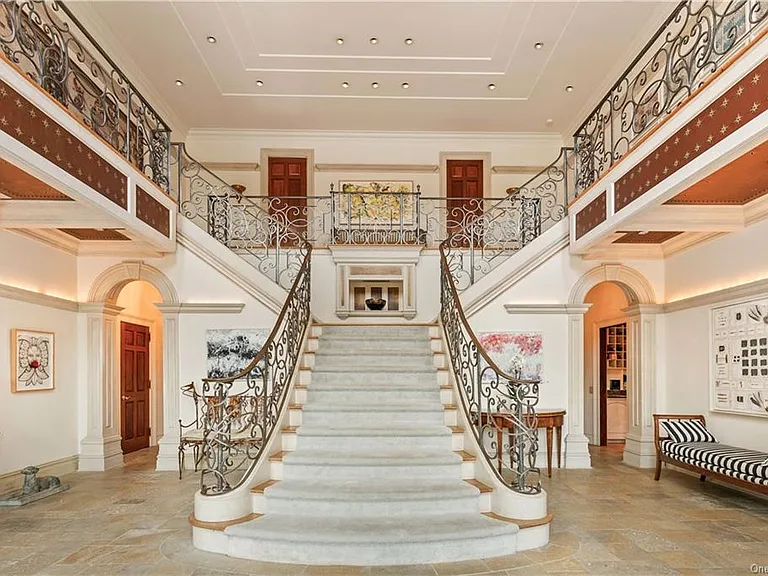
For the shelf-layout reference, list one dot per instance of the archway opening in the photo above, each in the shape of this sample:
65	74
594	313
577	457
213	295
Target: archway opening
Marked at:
140	366
606	376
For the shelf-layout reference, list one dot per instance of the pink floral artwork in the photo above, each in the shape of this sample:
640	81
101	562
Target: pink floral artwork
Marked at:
518	354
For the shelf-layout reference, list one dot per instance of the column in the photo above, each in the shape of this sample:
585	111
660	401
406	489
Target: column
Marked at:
101	449
168	444
576	443
639	450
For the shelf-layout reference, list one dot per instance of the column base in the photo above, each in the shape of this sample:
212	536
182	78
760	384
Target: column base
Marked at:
99	454
577	451
639	452
168	453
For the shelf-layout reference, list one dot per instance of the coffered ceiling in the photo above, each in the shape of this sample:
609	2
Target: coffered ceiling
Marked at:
282	65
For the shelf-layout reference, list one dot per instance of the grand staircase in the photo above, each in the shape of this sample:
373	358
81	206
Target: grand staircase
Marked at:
377	474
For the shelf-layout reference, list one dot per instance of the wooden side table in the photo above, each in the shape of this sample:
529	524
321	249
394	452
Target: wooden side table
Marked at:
552	420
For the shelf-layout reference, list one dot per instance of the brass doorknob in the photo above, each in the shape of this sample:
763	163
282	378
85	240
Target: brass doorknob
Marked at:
125	397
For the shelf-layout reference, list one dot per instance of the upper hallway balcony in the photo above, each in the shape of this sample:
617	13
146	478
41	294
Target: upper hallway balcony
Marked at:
675	153
84	158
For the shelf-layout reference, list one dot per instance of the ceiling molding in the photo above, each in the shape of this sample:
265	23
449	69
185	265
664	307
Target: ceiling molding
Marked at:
202	308
233	166
546	308
404	168
686	241
501	169
38	298
756	210
49	237
742	291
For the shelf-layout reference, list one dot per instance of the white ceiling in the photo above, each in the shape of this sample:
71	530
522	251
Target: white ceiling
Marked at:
459	48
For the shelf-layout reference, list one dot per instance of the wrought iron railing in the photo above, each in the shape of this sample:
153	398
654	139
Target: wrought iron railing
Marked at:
48	44
244	409
499	407
272	240
692	44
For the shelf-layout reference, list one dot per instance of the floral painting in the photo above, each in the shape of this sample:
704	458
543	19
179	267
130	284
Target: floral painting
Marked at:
379	204
516	353
231	350
32	362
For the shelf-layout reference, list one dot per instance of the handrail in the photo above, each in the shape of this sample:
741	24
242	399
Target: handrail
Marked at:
245	408
48	44
493	401
695	41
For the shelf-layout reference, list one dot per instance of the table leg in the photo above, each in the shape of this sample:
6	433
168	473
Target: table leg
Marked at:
549	451
559	431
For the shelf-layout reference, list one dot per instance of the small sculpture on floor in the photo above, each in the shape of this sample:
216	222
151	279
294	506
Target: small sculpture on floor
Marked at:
34	488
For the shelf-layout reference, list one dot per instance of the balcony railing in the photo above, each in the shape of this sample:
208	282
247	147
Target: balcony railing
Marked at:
695	41
48	45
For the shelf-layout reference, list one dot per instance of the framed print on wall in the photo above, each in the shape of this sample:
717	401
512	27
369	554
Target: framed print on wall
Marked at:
32	360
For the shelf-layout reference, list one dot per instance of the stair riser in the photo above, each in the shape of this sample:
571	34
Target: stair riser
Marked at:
370	419
409	347
370	508
371	554
372	397
382	473
373	363
372	443
375	333
365	378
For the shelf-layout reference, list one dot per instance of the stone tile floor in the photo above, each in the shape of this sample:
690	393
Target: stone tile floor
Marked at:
609	520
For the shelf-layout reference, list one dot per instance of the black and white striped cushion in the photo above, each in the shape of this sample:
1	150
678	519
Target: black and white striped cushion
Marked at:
687	431
727	471
718	457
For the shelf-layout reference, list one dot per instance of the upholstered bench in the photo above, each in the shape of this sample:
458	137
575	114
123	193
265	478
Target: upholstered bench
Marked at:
683	440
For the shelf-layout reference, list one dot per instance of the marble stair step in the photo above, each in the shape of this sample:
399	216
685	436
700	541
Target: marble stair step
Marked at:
374	439
371	395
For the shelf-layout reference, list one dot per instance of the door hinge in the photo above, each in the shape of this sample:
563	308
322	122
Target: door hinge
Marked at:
149	384
149	431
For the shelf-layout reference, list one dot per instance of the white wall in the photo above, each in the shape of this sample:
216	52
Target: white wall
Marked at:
728	261
37	427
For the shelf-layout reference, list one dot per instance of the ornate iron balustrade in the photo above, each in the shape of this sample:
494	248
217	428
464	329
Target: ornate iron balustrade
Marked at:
494	403
48	44
692	44
272	240
245	408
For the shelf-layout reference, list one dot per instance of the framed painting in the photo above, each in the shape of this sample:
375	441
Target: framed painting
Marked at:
373	204
231	350
519	354
32	360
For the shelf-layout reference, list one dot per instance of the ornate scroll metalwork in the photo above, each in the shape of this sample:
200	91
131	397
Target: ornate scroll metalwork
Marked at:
272	240
692	44
499	407
47	43
245	408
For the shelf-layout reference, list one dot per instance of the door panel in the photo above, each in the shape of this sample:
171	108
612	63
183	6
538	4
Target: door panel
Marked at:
465	192
134	386
288	192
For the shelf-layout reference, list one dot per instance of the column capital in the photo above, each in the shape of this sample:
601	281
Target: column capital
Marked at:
643	309
103	308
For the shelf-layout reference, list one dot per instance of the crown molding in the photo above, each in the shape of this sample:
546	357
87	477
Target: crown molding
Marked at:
201	308
405	168
233	166
229	134
742	291
546	308
501	169
38	298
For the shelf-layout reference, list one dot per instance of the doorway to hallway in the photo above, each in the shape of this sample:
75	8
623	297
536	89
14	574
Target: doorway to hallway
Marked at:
134	386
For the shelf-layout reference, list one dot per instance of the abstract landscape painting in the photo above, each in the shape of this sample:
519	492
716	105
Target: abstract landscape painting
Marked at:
519	354
375	203
231	350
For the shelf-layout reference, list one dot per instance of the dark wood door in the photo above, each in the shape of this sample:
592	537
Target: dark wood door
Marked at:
134	386
288	193
603	378
465	193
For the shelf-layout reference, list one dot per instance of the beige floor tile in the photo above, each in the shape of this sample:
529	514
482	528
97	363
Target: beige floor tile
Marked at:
461	568
415	570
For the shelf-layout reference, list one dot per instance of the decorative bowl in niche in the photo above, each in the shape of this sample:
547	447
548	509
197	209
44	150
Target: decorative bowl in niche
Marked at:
375	303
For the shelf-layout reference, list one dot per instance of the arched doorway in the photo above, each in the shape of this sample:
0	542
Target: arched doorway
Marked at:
640	320
102	446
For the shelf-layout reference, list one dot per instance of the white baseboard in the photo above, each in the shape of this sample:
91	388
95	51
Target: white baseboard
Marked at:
14	480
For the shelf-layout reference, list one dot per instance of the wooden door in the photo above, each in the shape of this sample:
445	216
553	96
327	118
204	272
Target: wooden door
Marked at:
134	386
288	194
465	192
603	379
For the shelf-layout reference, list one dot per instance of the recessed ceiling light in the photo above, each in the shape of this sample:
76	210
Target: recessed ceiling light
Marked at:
339	41
569	88
405	85
211	39
539	45
373	40
179	83
491	86
374	84
550	121
409	41
345	84
259	83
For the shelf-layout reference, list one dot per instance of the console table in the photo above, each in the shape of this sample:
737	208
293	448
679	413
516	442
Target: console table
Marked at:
552	420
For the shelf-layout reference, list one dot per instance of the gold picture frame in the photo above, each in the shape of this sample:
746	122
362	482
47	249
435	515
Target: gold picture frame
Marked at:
33	360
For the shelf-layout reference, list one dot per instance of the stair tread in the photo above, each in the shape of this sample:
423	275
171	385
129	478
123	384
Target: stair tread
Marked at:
375	369
300	529
373	490
403	457
399	407
368	431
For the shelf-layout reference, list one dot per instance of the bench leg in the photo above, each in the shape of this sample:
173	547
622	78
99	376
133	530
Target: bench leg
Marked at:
703	477
658	469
